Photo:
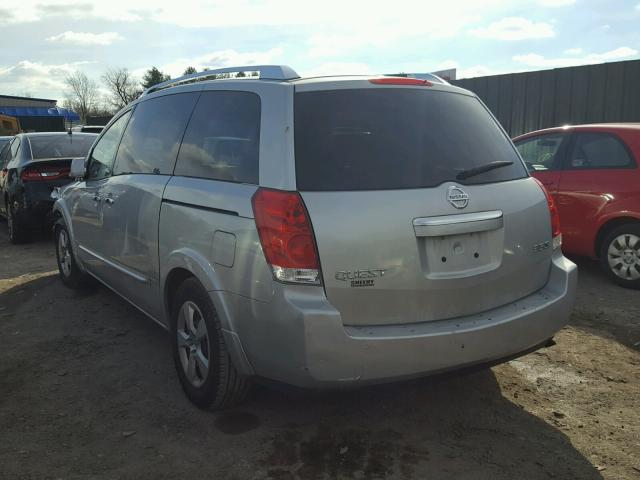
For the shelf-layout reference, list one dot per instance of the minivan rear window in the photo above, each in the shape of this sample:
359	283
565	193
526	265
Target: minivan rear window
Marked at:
60	146
396	138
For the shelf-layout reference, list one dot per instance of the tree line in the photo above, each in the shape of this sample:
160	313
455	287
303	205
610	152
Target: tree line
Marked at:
83	94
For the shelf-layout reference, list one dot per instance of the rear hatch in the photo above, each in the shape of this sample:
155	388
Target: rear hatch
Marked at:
410	223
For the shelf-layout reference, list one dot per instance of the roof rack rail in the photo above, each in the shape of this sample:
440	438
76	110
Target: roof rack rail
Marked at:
267	72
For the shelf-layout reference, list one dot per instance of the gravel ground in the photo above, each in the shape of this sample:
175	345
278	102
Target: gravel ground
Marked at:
88	390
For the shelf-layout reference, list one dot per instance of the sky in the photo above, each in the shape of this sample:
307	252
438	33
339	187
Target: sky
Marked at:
44	41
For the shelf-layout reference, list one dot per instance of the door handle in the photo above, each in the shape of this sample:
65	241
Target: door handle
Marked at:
109	201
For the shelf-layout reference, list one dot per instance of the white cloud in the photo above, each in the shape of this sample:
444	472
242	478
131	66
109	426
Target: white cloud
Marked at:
376	28
28	76
638	7
217	59
573	51
216	13
36	10
539	61
555	3
515	28
86	38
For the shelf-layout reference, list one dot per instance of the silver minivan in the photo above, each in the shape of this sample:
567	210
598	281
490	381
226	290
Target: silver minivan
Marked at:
321	232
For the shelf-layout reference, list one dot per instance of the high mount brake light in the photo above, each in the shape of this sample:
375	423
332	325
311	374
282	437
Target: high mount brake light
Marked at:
556	233
286	236
400	81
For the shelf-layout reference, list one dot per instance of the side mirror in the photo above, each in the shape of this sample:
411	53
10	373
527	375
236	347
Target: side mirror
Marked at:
77	168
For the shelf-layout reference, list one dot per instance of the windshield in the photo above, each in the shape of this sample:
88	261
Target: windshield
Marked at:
374	139
60	146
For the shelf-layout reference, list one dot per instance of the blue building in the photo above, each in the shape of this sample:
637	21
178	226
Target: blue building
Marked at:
37	114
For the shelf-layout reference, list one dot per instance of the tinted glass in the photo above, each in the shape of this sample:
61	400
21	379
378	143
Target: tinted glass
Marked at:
3	143
104	153
392	138
4	154
15	146
541	153
598	150
152	138
60	146
222	140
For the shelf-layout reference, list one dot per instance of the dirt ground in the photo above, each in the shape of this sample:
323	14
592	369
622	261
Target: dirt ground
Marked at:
88	390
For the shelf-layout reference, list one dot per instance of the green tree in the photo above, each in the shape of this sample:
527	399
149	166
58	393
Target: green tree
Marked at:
190	71
240	75
153	77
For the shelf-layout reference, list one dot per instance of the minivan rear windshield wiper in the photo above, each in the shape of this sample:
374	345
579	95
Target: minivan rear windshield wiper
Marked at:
472	172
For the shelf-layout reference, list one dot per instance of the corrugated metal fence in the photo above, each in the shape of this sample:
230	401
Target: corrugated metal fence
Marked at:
523	102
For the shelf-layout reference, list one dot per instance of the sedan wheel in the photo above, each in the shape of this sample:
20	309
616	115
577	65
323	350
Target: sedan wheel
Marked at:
16	233
623	256
620	255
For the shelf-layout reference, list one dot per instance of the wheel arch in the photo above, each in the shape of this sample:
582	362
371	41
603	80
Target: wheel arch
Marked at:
609	225
186	263
60	211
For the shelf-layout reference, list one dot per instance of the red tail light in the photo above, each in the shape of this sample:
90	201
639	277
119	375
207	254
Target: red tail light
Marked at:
400	81
286	236
44	173
556	233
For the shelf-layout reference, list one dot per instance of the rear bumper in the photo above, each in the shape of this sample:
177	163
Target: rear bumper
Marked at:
299	339
34	205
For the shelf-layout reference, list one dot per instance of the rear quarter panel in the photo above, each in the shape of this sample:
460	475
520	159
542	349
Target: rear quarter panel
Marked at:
207	228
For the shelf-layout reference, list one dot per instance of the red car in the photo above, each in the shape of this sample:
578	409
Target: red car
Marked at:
592	173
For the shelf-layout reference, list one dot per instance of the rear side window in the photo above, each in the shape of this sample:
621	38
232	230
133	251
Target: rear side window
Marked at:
543	152
598	150
60	146
222	140
393	138
151	141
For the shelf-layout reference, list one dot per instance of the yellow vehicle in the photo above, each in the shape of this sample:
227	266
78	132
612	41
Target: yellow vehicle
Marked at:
9	125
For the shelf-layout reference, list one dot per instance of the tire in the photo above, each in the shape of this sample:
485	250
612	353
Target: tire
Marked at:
206	372
68	269
17	233
620	255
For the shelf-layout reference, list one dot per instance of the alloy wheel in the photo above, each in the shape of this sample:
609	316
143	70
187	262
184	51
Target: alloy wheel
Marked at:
623	256
193	343
64	253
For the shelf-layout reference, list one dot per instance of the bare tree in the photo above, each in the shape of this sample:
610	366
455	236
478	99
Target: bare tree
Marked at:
82	95
123	88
